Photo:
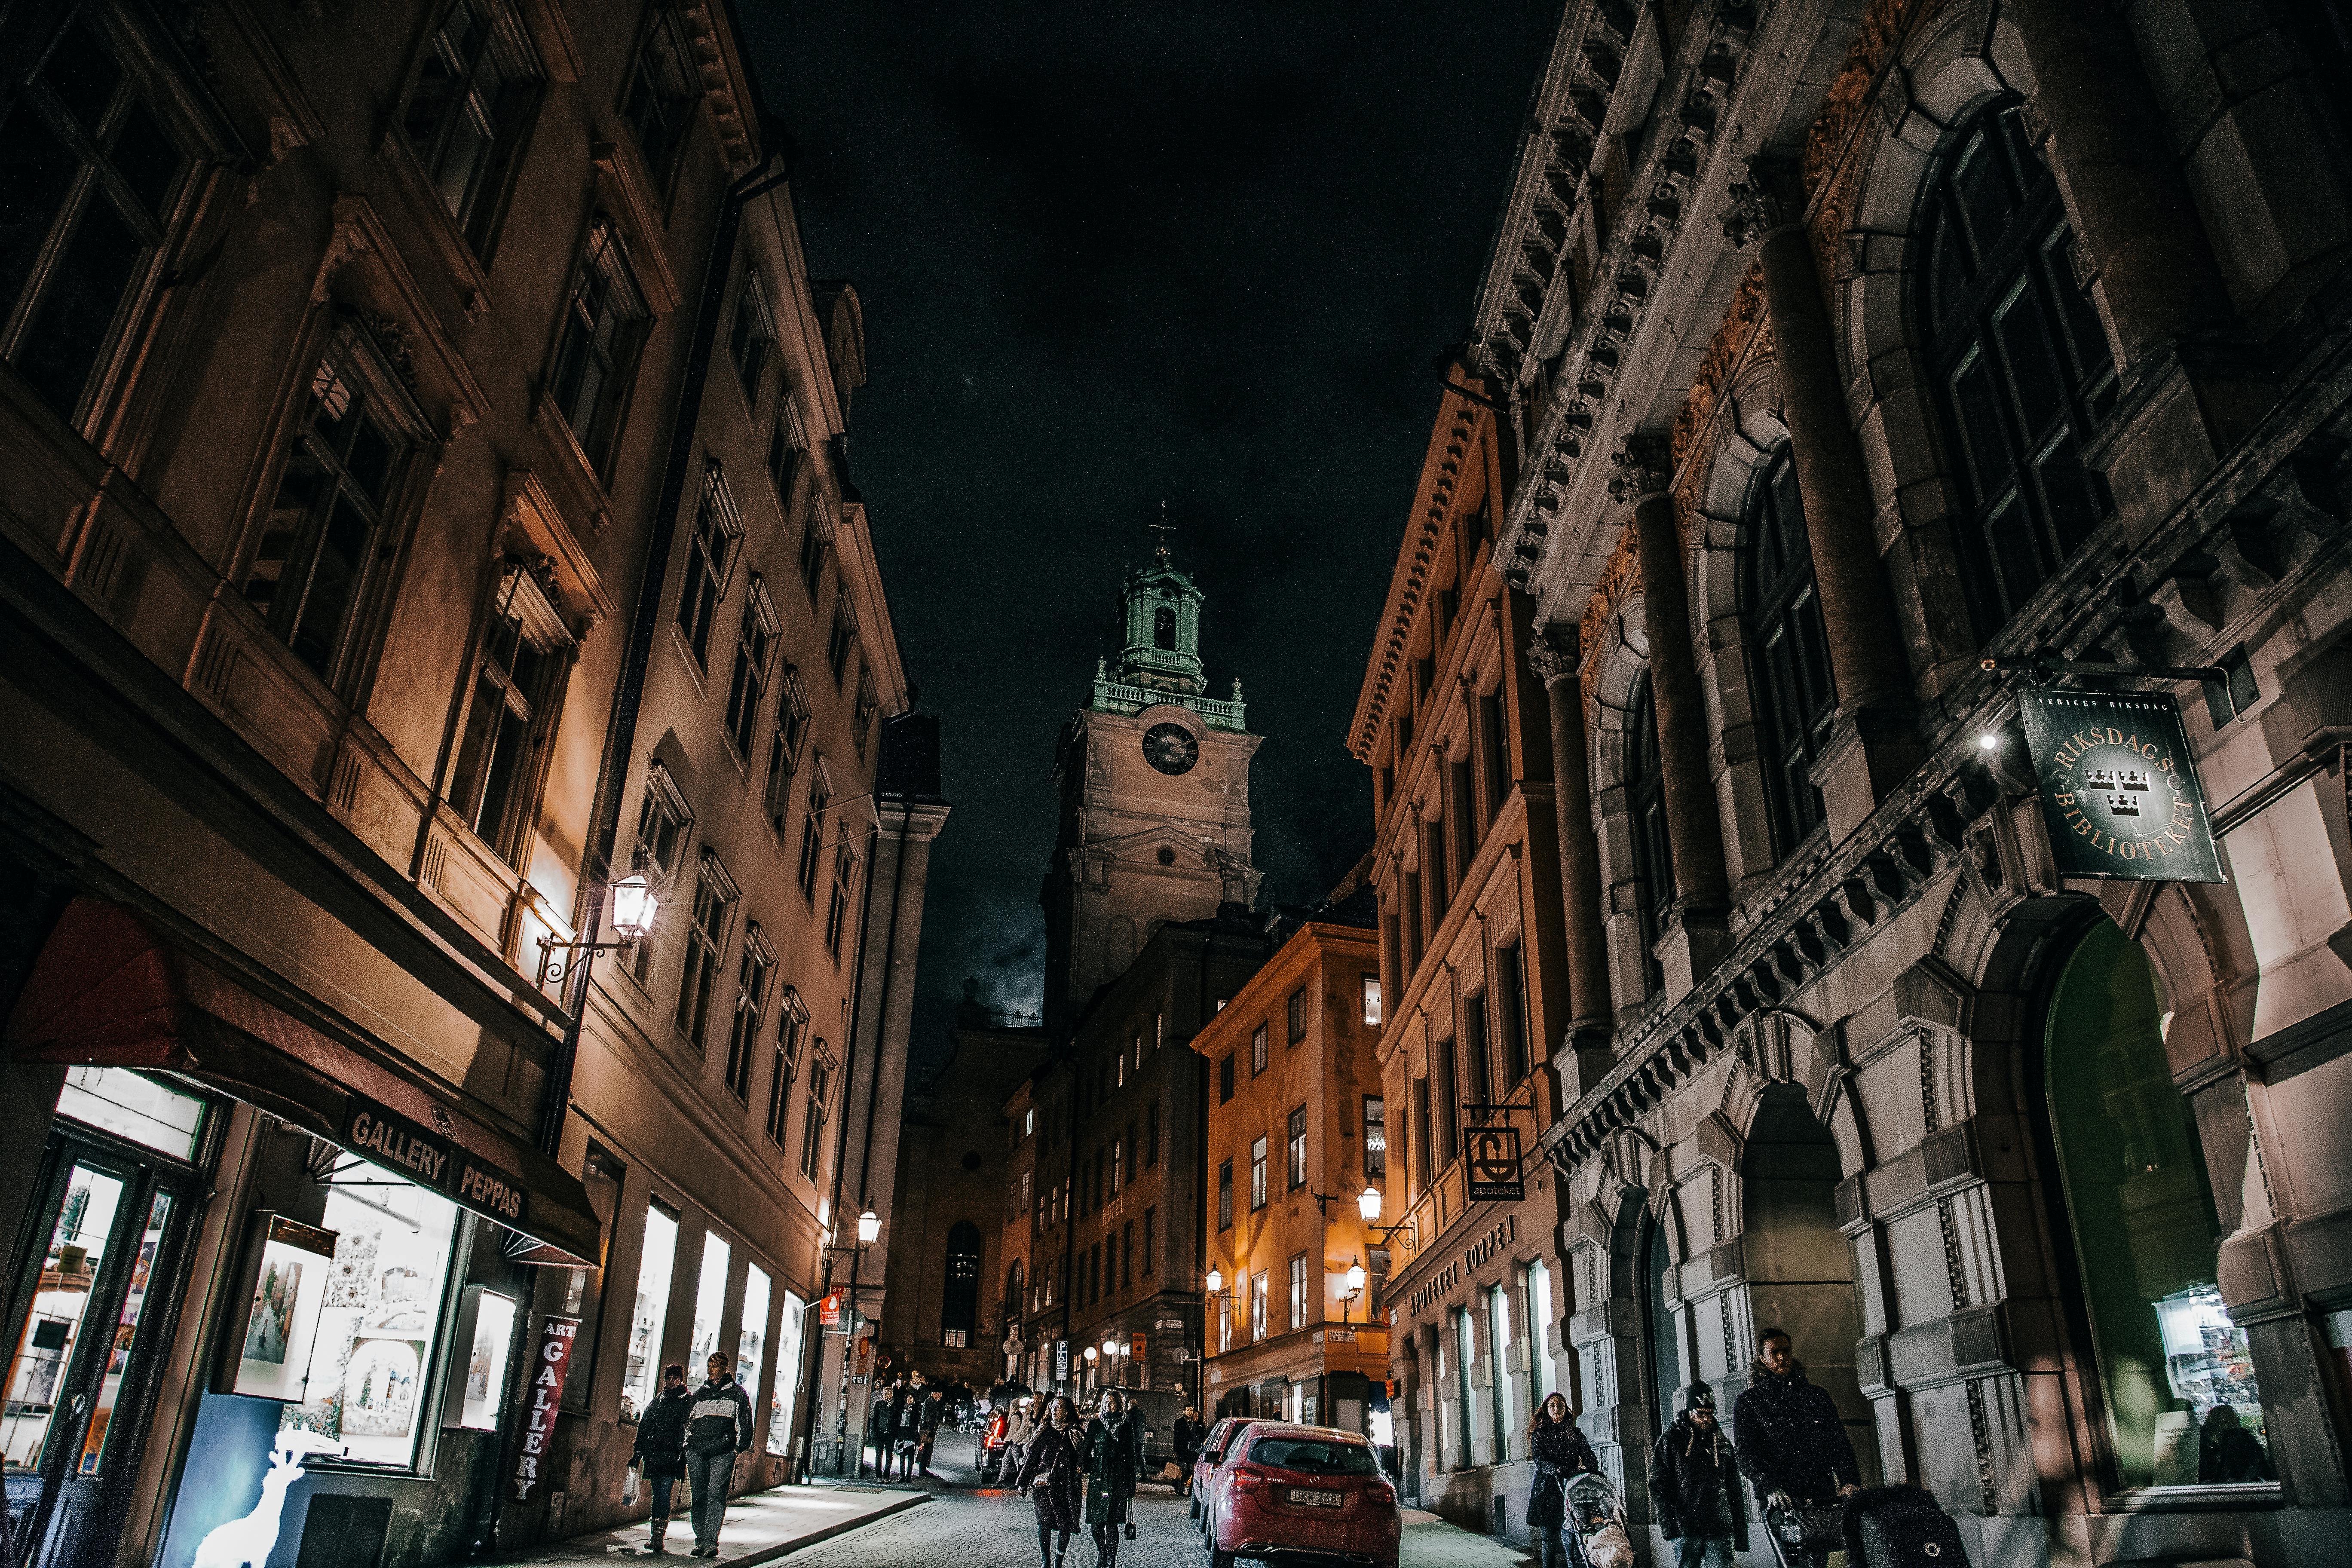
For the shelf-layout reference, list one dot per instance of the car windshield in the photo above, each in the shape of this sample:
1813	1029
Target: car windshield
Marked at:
1232	1435
1315	1457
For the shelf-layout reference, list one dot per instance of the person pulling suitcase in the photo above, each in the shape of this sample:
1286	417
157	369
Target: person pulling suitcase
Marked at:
1791	1443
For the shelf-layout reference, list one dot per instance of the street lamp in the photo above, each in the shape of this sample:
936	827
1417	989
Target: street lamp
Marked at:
1355	1289
1368	1205
869	1226
634	905
1216	1282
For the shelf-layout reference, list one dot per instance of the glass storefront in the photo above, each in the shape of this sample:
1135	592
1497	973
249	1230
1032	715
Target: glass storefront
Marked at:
710	1303
2182	1405
785	1397
752	1337
642	1379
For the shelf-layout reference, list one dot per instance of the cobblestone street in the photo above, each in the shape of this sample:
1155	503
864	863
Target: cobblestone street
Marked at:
969	1526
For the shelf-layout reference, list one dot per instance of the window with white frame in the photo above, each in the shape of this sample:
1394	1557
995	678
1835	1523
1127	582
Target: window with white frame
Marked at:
706	942
1298	1290
1296	1142
604	324
710	561
1257	1174
1258	1306
1257	1050
751	335
757	962
663	825
1372	999
747	688
519	672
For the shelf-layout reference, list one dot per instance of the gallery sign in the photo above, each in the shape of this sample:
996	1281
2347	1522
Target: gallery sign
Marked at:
550	1368
2119	790
380	1133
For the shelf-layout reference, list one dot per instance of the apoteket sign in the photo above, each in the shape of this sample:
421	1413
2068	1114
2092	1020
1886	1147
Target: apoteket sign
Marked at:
2119	791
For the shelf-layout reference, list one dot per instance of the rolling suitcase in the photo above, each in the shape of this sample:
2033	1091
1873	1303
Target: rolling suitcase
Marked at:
1901	1527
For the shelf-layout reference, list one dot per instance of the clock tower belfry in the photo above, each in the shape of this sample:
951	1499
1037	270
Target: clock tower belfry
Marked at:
1153	780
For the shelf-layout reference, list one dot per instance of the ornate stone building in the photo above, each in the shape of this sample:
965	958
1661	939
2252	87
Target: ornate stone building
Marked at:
1856	358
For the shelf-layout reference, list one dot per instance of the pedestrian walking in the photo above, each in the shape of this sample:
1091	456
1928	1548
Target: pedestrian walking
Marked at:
927	1428
1018	1430
909	1434
1114	1448
1790	1444
1190	1436
659	1454
717	1428
882	1422
1051	1470
1694	1486
1559	1450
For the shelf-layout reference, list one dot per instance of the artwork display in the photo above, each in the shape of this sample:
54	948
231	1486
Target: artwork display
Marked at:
281	1323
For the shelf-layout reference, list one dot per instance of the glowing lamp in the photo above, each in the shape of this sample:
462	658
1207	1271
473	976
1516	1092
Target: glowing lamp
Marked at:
869	1226
1092	1353
1216	1282
1367	1204
633	906
1355	1278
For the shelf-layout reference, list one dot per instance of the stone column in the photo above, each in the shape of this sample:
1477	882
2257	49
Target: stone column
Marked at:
1867	662
1693	829
1584	1056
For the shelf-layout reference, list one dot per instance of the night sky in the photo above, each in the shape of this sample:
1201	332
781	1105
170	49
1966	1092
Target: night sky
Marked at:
1116	254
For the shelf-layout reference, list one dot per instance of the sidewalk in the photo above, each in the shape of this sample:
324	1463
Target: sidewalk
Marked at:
760	1526
1431	1542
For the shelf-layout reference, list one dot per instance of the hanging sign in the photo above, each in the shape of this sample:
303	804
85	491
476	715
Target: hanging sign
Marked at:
550	1367
382	1134
828	1310
1494	1165
2119	790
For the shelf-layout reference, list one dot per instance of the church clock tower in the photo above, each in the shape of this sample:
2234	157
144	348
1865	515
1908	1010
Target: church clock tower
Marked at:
1153	778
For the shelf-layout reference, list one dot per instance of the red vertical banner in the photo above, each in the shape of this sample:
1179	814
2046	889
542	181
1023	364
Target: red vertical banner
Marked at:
548	1368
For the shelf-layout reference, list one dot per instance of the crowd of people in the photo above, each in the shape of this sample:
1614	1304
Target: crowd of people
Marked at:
1078	1468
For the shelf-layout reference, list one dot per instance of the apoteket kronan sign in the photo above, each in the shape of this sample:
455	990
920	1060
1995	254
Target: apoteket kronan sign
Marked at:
2119	791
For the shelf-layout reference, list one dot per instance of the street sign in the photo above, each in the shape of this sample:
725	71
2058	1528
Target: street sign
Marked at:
1494	1160
828	1311
2119	789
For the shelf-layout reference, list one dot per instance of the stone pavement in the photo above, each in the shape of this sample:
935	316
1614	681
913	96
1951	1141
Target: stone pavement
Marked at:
760	1526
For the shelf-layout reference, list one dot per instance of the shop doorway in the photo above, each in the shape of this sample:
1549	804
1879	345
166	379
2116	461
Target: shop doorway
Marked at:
1799	1268
97	1274
2176	1377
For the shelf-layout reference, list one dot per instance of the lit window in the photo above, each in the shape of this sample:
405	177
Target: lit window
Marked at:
785	1399
1376	1136
1257	1174
1298	1290
1224	1194
1257	1050
1372	999
1297	1147
1258	1306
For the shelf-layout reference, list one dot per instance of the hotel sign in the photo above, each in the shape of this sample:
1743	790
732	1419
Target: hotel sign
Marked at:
2119	790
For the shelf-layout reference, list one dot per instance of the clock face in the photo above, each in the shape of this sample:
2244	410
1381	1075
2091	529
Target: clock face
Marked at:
1171	748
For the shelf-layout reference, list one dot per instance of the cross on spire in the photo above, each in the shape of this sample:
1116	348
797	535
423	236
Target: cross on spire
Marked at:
1164	527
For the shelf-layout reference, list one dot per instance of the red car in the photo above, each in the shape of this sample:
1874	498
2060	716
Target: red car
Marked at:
1213	1449
1309	1493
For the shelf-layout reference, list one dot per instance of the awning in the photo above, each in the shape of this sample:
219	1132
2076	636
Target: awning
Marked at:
107	991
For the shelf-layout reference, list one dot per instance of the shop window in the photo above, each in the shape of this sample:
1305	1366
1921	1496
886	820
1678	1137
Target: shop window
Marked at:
518	685
664	825
1224	1194
709	562
2181	1401
132	1106
659	103
38	1383
1795	700
752	1336
1258	1306
747	688
321	556
1466	1351
93	168
1376	1136
1542	1381
2019	357
465	116
1653	859
1498	1352
1295	1141
784	1400
1257	1174
650	1316
705	941
1373	1000
387	1293
709	1303
751	972
604	324
751	336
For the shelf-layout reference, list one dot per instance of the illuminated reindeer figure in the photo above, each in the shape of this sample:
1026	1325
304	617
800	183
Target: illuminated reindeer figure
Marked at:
247	1542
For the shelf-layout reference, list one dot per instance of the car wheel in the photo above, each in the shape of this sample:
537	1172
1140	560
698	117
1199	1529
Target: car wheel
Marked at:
1220	1559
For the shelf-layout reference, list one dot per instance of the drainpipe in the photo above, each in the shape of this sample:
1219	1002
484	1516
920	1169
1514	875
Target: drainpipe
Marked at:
628	697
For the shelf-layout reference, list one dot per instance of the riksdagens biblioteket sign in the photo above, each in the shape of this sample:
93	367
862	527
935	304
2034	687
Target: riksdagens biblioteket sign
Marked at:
2119	791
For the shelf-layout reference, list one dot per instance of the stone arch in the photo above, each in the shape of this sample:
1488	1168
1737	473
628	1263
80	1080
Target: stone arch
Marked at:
1954	61
1622	659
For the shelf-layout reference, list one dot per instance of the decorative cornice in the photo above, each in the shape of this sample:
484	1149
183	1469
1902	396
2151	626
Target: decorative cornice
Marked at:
1620	577
1744	321
1454	442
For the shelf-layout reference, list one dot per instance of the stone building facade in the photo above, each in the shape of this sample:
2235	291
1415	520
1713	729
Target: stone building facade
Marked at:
366	387
1862	362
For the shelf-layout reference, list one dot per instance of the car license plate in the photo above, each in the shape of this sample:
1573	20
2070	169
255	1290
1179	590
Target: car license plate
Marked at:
1317	1499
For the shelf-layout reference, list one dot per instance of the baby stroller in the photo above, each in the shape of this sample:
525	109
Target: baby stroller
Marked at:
1597	1520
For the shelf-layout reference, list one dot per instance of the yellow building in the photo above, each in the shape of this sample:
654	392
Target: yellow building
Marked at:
1297	1129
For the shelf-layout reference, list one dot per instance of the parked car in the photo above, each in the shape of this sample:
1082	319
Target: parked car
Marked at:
1205	1465
1314	1491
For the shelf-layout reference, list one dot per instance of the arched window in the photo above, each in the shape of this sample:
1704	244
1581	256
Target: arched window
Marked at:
1163	628
1795	700
2019	360
1645	801
2176	1375
1665	1353
960	1295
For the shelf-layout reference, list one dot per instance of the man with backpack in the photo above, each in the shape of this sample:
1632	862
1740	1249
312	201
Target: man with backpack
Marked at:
717	1428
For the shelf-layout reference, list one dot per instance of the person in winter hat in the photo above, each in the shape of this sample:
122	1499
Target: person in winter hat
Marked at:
1559	1451
1694	1486
660	1451
1051	1467
1791	1441
1190	1436
717	1428
1114	1454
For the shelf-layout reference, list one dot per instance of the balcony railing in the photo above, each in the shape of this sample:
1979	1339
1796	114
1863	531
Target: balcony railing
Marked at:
1117	697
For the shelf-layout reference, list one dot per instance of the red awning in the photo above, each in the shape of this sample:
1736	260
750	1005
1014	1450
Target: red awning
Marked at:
106	992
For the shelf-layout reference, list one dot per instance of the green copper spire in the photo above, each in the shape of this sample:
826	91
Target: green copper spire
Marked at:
1160	661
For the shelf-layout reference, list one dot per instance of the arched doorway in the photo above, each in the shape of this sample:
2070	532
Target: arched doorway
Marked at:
1799	1268
2174	1376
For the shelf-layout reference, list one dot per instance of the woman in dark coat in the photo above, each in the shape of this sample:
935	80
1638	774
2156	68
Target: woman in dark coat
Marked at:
660	1450
1050	1470
1559	1451
1113	1458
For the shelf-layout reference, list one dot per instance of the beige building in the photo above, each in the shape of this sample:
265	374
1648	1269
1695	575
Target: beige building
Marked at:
1865	367
1295	1318
357	463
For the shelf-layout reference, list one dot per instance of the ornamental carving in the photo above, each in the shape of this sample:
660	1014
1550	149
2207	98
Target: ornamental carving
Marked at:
1551	657
1639	467
1740	324
1620	577
1761	202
